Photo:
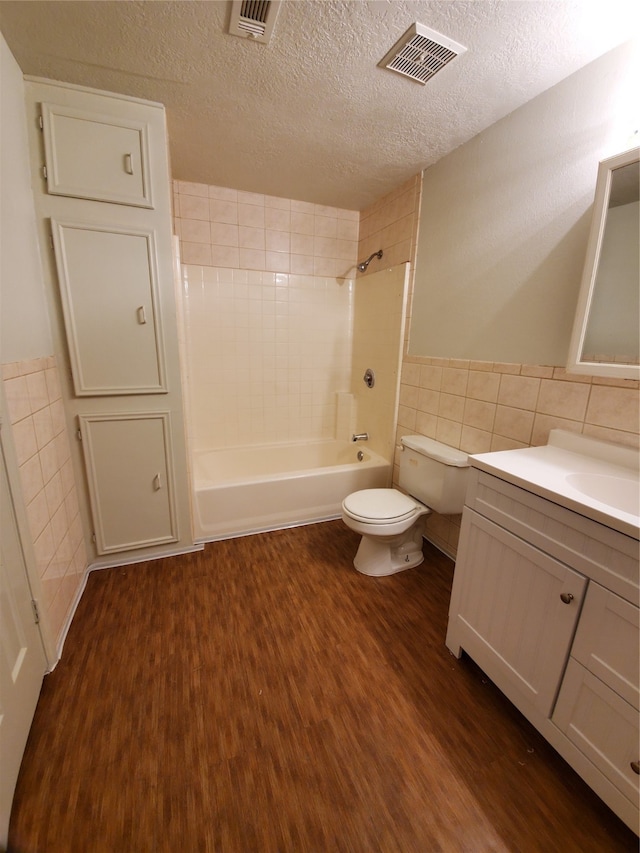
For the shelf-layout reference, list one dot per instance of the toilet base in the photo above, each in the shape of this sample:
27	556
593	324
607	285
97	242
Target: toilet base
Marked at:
377	558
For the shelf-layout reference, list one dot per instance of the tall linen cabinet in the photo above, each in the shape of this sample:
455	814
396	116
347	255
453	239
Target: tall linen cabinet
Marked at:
102	195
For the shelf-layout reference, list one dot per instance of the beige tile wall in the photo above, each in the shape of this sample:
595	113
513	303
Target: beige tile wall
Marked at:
34	401
391	224
228	228
265	354
482	406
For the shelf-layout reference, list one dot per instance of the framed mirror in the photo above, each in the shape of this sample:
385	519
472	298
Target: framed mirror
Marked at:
606	332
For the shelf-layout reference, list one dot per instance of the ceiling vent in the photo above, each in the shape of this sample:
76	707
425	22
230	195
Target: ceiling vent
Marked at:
253	19
421	53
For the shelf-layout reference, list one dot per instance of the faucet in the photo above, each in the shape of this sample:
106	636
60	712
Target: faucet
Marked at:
360	436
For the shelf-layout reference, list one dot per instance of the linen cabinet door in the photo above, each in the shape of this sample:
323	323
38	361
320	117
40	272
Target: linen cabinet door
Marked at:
513	610
93	156
130	478
110	303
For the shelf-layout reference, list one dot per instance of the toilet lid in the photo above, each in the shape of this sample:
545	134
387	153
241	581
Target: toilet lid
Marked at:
379	505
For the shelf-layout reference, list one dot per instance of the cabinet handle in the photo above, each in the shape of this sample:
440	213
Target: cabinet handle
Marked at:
128	164
142	317
157	483
635	766
566	597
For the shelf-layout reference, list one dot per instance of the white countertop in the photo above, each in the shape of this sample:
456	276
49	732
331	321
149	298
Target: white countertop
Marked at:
594	478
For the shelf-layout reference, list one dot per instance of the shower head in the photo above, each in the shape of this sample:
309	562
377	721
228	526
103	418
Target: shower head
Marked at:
363	266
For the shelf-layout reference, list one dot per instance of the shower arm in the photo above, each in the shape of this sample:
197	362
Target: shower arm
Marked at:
364	264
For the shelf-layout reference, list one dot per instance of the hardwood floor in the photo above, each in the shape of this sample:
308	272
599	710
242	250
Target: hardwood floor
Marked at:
264	696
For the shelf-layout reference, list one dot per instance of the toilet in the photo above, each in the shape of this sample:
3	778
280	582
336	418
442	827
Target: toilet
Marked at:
391	522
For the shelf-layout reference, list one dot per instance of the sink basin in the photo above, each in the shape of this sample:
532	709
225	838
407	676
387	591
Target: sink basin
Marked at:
618	492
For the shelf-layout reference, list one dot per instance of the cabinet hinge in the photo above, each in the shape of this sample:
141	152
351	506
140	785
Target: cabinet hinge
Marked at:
40	122
36	614
44	172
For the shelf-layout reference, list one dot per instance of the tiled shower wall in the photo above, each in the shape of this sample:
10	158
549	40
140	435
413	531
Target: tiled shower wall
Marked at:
266	353
268	297
482	406
36	411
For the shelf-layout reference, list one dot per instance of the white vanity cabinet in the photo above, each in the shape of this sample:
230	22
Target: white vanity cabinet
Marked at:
516	611
545	600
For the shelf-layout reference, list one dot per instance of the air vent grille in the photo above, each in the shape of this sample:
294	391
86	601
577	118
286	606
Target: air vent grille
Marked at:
421	53
253	19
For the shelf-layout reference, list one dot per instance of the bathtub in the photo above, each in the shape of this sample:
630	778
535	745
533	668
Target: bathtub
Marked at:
251	489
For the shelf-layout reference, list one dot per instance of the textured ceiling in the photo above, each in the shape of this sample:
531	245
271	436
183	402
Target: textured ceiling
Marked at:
311	116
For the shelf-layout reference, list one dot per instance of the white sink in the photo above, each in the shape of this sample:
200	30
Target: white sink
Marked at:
595	478
618	492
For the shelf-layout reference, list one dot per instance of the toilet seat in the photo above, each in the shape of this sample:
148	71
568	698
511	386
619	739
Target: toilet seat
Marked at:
380	506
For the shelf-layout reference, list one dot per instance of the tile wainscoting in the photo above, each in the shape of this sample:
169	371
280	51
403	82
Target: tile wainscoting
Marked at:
483	406
34	402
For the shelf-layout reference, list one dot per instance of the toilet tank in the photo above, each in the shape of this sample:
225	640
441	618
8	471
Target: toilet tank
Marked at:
434	473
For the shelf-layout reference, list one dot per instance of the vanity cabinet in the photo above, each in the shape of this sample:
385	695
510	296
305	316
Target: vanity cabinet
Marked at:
545	600
517	611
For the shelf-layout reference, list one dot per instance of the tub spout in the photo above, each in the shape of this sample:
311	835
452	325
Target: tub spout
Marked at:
360	436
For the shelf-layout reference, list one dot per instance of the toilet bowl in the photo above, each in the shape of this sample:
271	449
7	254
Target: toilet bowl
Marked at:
392	522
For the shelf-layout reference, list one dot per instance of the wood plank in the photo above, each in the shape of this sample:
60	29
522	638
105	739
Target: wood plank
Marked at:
264	696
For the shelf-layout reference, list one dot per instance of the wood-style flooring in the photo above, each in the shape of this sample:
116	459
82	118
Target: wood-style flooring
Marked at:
264	696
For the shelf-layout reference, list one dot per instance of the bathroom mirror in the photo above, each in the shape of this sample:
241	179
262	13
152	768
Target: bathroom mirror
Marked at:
606	333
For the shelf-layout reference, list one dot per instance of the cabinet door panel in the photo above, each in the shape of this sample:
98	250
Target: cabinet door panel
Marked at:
602	725
130	476
607	641
507	611
109	291
96	156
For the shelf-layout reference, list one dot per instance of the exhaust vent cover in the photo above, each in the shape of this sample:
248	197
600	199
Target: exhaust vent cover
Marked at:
253	19
421	53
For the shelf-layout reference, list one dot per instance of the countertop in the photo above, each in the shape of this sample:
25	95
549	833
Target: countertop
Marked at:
596	479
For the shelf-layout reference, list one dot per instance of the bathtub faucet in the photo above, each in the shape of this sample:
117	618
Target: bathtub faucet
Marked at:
360	436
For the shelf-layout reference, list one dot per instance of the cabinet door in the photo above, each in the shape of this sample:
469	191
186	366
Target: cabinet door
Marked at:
606	641
109	291
508	612
96	156
130	477
602	725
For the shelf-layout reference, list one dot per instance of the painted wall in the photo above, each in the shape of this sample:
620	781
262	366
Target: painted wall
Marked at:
24	321
505	220
479	405
30	374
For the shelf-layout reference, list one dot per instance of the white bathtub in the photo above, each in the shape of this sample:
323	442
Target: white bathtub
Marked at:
249	489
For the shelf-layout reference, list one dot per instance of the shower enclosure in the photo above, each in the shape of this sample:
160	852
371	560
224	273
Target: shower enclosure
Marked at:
273	366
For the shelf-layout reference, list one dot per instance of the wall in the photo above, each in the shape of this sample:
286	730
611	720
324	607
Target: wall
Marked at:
505	220
478	405
268	310
30	373
378	335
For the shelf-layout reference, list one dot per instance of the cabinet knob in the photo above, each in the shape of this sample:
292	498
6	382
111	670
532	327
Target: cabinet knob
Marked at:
566	597
128	164
635	766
